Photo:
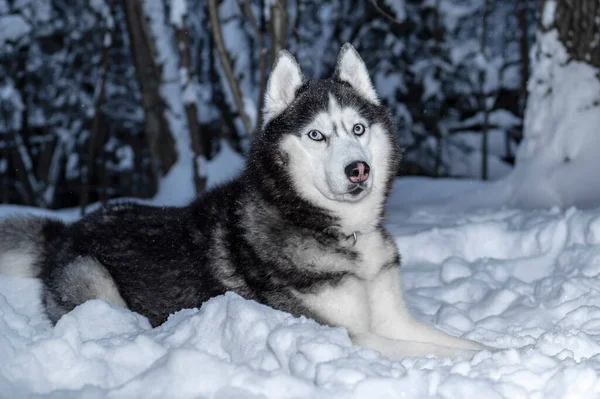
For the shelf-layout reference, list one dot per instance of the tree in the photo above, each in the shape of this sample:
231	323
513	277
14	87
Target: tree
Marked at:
226	64
523	49
483	101
188	90
161	50
95	140
158	132
578	26
560	145
92	120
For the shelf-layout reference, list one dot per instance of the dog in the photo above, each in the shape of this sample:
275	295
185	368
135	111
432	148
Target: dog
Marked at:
300	229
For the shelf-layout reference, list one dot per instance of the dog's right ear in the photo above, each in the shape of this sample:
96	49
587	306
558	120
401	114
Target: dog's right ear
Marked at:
285	79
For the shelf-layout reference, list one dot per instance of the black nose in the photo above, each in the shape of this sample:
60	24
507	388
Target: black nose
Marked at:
357	171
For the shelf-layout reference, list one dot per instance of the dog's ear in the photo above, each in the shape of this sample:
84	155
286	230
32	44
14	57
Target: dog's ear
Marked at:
285	79
352	69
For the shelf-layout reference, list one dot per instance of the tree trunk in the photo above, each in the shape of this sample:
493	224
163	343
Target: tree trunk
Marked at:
189	100
483	94
278	27
246	8
24	167
217	34
4	165
160	139
524	51
96	141
438	132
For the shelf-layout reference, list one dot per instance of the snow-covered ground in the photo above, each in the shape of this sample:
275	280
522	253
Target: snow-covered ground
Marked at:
523	281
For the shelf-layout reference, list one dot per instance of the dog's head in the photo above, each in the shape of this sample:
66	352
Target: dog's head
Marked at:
332	139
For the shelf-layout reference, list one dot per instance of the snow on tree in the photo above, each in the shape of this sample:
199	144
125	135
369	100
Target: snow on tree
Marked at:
557	160
162	56
463	79
45	52
103	119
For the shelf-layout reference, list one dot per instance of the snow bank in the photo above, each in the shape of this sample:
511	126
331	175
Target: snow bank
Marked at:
176	189
526	282
557	160
224	166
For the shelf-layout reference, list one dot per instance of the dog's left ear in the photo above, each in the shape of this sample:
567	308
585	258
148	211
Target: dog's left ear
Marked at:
352	69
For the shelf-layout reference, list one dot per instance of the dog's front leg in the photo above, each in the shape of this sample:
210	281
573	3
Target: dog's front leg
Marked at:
397	349
391	318
347	305
344	304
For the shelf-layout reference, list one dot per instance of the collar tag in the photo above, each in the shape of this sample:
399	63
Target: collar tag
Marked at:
355	236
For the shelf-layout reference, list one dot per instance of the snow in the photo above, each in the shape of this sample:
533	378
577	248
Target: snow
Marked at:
189	95
498	117
176	190
12	29
465	158
548	13
224	166
103	8
126	157
178	12
11	105
453	12
525	282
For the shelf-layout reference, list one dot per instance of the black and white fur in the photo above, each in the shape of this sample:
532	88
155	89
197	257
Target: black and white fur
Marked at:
295	231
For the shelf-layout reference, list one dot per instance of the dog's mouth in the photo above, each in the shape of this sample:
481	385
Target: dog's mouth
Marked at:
356	189
348	192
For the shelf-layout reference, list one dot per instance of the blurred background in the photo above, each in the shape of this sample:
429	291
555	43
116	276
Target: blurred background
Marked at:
107	98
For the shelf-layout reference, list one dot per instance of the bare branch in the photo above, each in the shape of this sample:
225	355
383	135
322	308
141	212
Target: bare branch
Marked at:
226	64
23	163
160	139
191	112
247	9
278	27
95	140
385	14
483	96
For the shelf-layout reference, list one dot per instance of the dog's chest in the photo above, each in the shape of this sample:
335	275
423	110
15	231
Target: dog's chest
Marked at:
364	258
374	251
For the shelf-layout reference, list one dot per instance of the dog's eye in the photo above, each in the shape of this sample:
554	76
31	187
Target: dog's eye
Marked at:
358	129
316	135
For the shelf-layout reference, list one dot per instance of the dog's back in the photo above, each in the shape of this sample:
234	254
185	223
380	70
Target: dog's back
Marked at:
152	260
148	259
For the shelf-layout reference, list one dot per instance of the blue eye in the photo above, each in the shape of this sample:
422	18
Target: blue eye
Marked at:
359	129
316	135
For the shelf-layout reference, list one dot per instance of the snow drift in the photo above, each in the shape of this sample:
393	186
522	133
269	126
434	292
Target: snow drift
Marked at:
526	282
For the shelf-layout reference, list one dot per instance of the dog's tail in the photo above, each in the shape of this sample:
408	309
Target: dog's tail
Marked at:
23	242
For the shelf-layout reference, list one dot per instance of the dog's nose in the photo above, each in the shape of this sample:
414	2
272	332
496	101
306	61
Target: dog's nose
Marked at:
358	171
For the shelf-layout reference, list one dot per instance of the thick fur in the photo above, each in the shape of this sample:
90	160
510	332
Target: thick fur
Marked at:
283	233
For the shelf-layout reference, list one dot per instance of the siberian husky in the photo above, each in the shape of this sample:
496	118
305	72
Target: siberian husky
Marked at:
299	230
